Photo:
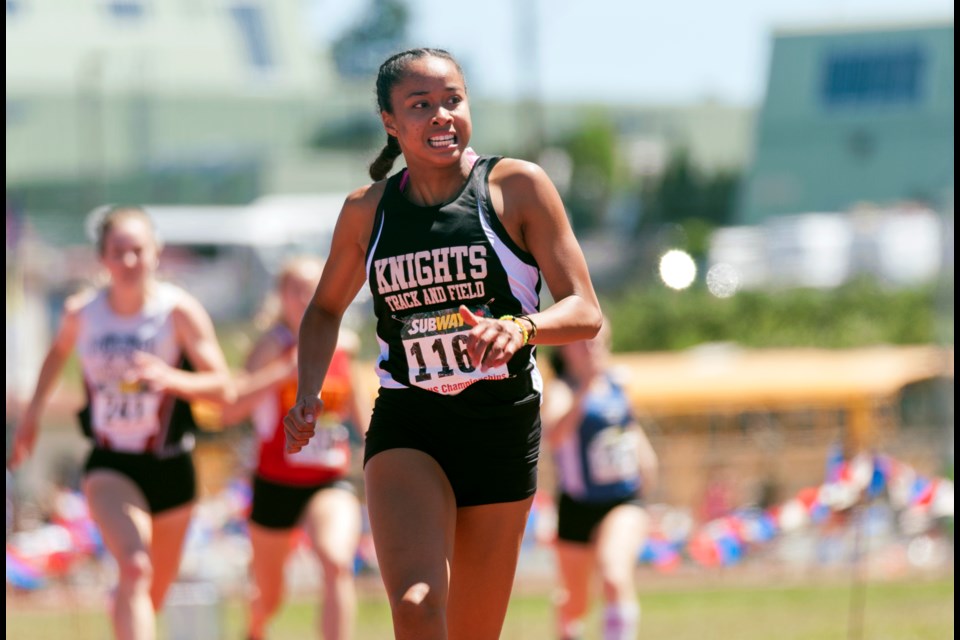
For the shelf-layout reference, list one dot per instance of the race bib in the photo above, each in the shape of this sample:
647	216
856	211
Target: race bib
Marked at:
126	410
613	456
435	344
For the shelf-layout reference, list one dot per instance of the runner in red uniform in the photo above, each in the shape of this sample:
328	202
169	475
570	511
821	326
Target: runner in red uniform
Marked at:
309	489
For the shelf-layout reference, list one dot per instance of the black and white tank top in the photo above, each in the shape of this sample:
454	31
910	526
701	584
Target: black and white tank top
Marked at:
423	263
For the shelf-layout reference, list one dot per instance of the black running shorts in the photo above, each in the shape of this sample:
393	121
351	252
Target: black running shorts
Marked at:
280	506
165	482
487	447
576	520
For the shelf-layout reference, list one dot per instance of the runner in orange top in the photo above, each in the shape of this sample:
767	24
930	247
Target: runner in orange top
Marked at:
308	489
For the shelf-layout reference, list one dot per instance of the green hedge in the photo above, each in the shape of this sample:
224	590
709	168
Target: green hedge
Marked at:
654	318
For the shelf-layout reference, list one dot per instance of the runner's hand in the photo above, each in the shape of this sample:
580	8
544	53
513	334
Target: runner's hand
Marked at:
491	342
300	423
151	371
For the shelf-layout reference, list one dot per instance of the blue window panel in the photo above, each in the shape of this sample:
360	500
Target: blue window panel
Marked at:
873	77
126	9
249	19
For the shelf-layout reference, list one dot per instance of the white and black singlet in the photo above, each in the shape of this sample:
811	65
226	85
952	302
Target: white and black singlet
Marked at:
138	431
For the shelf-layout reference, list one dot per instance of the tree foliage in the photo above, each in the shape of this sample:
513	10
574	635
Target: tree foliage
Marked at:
684	192
381	32
593	153
358	132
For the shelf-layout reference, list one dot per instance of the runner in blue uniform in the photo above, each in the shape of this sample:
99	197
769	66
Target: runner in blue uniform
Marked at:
605	465
454	248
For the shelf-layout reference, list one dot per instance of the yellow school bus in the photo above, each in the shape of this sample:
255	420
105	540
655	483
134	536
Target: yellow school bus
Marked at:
764	420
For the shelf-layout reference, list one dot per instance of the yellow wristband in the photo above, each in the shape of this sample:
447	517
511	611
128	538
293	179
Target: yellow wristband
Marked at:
523	330
533	326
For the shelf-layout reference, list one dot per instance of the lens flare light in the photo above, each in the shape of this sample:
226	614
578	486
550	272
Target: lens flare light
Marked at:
723	280
677	269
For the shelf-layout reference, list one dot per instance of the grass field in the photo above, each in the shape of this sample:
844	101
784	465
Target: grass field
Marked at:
918	609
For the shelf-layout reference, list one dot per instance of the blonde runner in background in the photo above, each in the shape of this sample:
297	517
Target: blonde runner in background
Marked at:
136	338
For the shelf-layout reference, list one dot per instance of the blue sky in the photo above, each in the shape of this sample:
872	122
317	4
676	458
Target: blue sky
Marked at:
672	51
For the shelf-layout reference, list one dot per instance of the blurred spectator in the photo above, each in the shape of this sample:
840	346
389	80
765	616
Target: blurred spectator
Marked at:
718	496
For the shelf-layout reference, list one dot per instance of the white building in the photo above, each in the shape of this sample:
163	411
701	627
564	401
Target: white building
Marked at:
901	246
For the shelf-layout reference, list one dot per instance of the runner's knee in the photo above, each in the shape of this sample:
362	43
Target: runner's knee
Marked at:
418	608
135	567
